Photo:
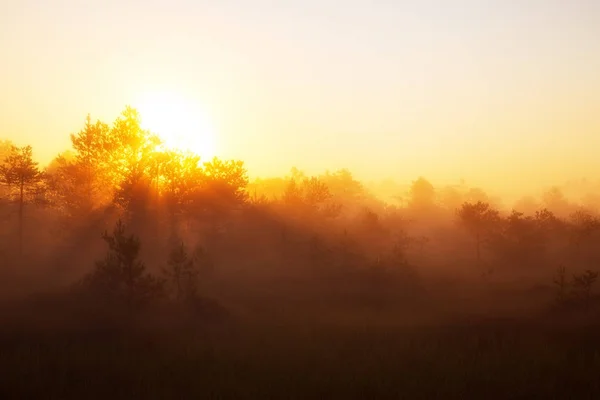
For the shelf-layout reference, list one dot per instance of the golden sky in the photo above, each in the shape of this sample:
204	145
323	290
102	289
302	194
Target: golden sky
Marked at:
499	92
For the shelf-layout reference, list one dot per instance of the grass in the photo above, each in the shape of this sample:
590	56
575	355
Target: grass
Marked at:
294	361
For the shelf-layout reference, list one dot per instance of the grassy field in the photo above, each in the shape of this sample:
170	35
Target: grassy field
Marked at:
286	354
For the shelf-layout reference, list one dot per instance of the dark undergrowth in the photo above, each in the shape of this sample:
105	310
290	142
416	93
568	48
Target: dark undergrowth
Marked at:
292	357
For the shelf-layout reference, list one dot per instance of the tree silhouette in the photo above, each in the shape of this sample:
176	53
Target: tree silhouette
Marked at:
310	198
475	195
583	283
583	225
181	273
21	174
221	190
179	175
121	276
451	197
421	194
132	160
520	241
479	219
561	283
343	186
555	200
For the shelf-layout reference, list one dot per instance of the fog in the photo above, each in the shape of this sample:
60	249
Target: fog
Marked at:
129	269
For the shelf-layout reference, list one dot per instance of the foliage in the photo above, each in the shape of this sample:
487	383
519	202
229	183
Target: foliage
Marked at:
582	285
421	194
480	220
19	172
24	181
181	273
310	197
562	285
121	277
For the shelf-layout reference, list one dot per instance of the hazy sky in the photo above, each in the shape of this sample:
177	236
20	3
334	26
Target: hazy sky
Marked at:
498	91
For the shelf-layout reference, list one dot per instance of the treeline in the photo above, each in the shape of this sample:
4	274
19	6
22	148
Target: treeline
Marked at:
121	175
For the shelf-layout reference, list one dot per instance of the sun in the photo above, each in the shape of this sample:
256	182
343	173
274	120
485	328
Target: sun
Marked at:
179	122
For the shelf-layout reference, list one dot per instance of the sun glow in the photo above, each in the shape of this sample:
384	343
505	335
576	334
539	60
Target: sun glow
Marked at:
180	123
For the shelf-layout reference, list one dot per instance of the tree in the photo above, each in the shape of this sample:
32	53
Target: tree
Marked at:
561	283
315	192
422	194
179	174
221	189
121	276
474	195
84	179
292	194
227	179
479	219
6	147
520	241
181	273
583	225
555	200
527	204
342	185
21	174
310	197
132	160
583	283
450	197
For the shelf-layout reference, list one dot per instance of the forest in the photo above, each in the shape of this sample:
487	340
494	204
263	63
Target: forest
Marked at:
131	269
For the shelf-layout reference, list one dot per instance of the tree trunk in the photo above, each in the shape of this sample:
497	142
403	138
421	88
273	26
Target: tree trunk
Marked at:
21	205
478	248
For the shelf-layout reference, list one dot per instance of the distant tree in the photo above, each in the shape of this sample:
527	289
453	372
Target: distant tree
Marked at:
179	175
5	148
583	225
421	194
371	221
271	188
583	283
310	197
519	242
342	185
555	200
296	174
562	285
480	220
315	192
131	159
476	195
228	179
450	197
220	192
21	174
84	179
546	220
181	273
527	205
121	276
292	194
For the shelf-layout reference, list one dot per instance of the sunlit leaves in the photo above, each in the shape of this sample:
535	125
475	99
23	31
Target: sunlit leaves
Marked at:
18	169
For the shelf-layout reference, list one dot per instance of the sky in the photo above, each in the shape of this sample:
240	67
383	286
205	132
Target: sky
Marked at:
501	93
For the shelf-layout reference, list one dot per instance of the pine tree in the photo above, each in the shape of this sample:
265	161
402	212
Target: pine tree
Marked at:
21	174
181	273
121	276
